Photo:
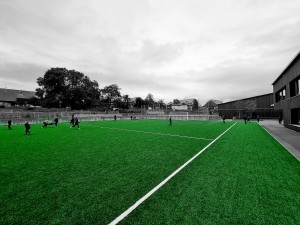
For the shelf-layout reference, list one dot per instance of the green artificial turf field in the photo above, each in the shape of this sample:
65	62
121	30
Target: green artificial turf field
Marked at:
93	174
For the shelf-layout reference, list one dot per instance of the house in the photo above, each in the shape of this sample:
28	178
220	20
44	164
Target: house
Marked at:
212	105
181	107
185	104
11	97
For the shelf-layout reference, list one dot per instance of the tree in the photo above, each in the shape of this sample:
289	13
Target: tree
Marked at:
34	101
195	104
250	106
246	106
125	99
139	102
176	101
239	106
110	93
118	103
160	104
149	100
67	88
52	86
40	93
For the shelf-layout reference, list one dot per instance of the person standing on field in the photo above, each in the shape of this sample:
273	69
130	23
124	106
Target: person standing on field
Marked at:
72	120
76	123
9	124
170	121
27	128
245	119
115	117
258	117
223	118
56	121
248	119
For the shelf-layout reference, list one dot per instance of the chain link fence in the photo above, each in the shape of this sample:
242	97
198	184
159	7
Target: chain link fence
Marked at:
33	117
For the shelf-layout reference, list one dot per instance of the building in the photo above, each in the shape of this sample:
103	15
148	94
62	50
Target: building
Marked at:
10	97
131	102
181	107
261	105
185	104
287	94
212	105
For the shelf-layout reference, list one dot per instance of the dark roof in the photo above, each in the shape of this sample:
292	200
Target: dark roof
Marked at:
10	95
288	66
212	103
247	98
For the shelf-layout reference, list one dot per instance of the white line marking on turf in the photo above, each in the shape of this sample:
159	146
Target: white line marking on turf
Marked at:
147	132
197	123
140	201
190	122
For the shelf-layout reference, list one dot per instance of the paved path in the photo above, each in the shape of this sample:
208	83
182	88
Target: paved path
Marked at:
290	139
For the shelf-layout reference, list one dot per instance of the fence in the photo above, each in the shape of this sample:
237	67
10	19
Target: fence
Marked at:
21	117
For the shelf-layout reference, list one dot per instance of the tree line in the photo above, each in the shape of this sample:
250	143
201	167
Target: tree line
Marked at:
62	88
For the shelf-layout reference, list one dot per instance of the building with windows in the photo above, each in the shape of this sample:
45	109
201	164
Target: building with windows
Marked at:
212	105
11	97
261	105
185	104
287	94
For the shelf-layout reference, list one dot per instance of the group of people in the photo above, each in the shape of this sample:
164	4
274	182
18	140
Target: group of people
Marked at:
50	122
74	122
246	119
26	125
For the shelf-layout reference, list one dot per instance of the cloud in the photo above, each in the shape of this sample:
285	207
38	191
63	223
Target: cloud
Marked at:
22	72
158	54
219	49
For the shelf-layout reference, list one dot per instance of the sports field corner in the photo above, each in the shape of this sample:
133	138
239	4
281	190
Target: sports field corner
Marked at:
93	175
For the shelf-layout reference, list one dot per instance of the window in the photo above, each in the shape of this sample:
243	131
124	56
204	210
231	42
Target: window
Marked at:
294	86
280	95
295	116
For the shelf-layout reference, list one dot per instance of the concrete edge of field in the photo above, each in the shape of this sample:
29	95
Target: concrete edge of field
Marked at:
288	138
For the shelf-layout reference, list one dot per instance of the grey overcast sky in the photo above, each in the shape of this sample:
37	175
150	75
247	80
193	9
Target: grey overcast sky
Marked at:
219	49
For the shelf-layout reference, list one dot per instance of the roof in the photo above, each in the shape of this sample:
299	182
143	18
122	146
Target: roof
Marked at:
216	101
247	98
288	66
212	102
11	95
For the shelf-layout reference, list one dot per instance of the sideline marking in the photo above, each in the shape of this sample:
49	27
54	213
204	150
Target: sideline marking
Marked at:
140	201
199	123
180	122
146	132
